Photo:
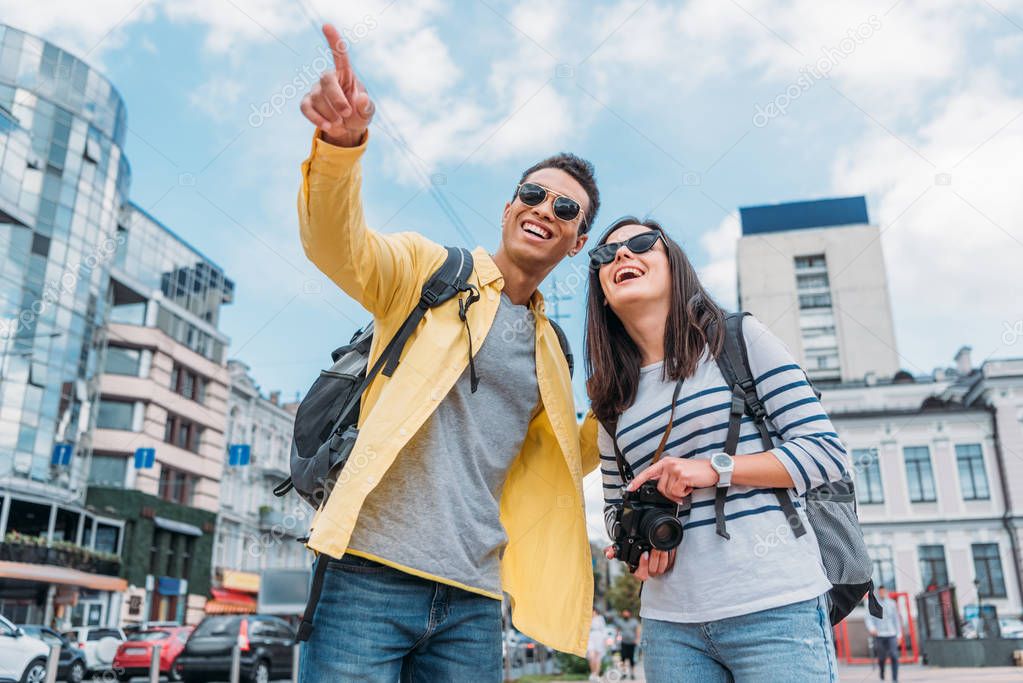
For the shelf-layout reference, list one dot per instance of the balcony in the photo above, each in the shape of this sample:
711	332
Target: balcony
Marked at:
269	518
33	550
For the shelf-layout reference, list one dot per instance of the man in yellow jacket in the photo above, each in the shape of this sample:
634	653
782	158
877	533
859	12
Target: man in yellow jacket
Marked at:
456	490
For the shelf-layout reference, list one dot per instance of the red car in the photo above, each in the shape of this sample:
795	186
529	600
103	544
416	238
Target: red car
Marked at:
134	655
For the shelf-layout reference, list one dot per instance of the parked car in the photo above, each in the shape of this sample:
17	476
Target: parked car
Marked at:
129	629
266	645
71	666
100	644
134	655
22	657
1012	627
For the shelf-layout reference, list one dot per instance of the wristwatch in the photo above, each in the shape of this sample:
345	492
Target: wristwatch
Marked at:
723	464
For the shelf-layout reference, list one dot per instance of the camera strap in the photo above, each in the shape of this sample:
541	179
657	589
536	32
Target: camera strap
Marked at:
611	427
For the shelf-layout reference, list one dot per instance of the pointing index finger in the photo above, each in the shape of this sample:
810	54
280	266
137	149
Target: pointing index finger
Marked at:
338	47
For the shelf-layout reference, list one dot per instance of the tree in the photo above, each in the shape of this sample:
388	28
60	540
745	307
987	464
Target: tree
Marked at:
624	593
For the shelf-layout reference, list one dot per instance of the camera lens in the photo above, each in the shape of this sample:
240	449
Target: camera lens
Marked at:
663	531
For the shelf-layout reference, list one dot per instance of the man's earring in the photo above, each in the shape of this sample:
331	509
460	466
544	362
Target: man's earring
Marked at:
573	252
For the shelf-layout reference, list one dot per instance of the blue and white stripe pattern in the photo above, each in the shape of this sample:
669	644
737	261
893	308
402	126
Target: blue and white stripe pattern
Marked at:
763	565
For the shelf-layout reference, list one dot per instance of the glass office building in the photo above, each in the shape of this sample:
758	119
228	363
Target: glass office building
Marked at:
63	180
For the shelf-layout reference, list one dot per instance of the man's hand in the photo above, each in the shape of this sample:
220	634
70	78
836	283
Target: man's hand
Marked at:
677	477
338	103
654	563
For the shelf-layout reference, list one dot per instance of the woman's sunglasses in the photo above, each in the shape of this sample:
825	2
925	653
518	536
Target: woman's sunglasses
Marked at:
606	253
532	194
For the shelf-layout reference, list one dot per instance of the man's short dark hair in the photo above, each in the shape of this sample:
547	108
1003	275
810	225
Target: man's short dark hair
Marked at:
582	171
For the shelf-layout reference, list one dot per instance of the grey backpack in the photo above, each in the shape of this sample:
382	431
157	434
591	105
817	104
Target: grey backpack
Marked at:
830	508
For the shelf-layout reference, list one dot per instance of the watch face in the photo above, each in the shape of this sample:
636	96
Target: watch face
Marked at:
722	461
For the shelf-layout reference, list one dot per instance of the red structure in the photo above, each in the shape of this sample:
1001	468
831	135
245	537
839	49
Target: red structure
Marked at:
909	650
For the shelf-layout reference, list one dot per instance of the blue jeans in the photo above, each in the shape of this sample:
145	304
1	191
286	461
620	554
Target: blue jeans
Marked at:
377	624
788	643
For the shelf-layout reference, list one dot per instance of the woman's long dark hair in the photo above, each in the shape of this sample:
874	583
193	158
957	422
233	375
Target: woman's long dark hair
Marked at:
694	323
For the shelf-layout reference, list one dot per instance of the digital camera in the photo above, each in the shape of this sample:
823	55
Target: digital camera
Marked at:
645	520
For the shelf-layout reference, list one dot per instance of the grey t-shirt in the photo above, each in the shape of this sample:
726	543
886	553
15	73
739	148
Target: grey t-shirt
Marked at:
630	629
436	510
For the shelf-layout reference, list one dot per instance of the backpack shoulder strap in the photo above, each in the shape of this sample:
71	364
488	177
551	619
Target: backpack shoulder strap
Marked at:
565	347
733	361
447	281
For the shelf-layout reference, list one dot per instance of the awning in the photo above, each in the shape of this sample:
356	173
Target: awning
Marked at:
177	527
227	601
217	607
240	581
46	573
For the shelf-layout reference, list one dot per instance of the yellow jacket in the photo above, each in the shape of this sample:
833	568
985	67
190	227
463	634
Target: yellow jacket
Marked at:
546	569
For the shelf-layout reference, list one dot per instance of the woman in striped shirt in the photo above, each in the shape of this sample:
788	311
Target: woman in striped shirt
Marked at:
752	606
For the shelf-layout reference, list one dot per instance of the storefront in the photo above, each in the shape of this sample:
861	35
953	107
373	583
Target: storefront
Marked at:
236	593
59	563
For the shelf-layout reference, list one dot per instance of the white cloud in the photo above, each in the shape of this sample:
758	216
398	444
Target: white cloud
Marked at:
87	29
953	250
719	273
234	26
216	98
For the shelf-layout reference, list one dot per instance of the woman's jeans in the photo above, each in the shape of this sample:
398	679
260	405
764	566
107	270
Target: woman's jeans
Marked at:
790	643
375	623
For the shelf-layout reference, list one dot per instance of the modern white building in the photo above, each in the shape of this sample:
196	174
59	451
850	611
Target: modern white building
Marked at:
257	530
814	273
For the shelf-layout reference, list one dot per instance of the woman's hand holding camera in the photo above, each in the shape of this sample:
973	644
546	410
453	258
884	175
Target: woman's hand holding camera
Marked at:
654	563
677	477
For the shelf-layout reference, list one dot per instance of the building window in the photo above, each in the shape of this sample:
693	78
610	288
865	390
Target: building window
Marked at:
182	433
115	414
933	571
108	470
812	281
123	361
176	486
822	300
868	476
186	557
810	262
884	566
919	474
28	518
107	537
987	567
972	477
189	384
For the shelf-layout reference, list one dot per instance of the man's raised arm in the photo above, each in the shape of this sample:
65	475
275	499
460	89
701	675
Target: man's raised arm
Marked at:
374	269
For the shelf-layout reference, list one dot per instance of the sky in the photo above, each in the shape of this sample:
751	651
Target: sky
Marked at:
688	110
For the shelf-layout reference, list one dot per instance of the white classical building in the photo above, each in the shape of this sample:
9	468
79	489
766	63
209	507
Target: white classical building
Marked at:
257	530
938	478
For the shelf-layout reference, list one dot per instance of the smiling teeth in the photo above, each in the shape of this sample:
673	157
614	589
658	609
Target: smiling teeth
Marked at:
537	230
626	270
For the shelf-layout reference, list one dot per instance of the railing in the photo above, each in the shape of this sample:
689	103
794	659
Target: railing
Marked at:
268	518
17	548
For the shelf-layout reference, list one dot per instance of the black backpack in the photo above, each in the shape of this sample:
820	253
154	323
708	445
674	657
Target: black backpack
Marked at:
830	508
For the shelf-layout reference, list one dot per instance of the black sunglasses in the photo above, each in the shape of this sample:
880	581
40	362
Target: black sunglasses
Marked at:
606	253
532	194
